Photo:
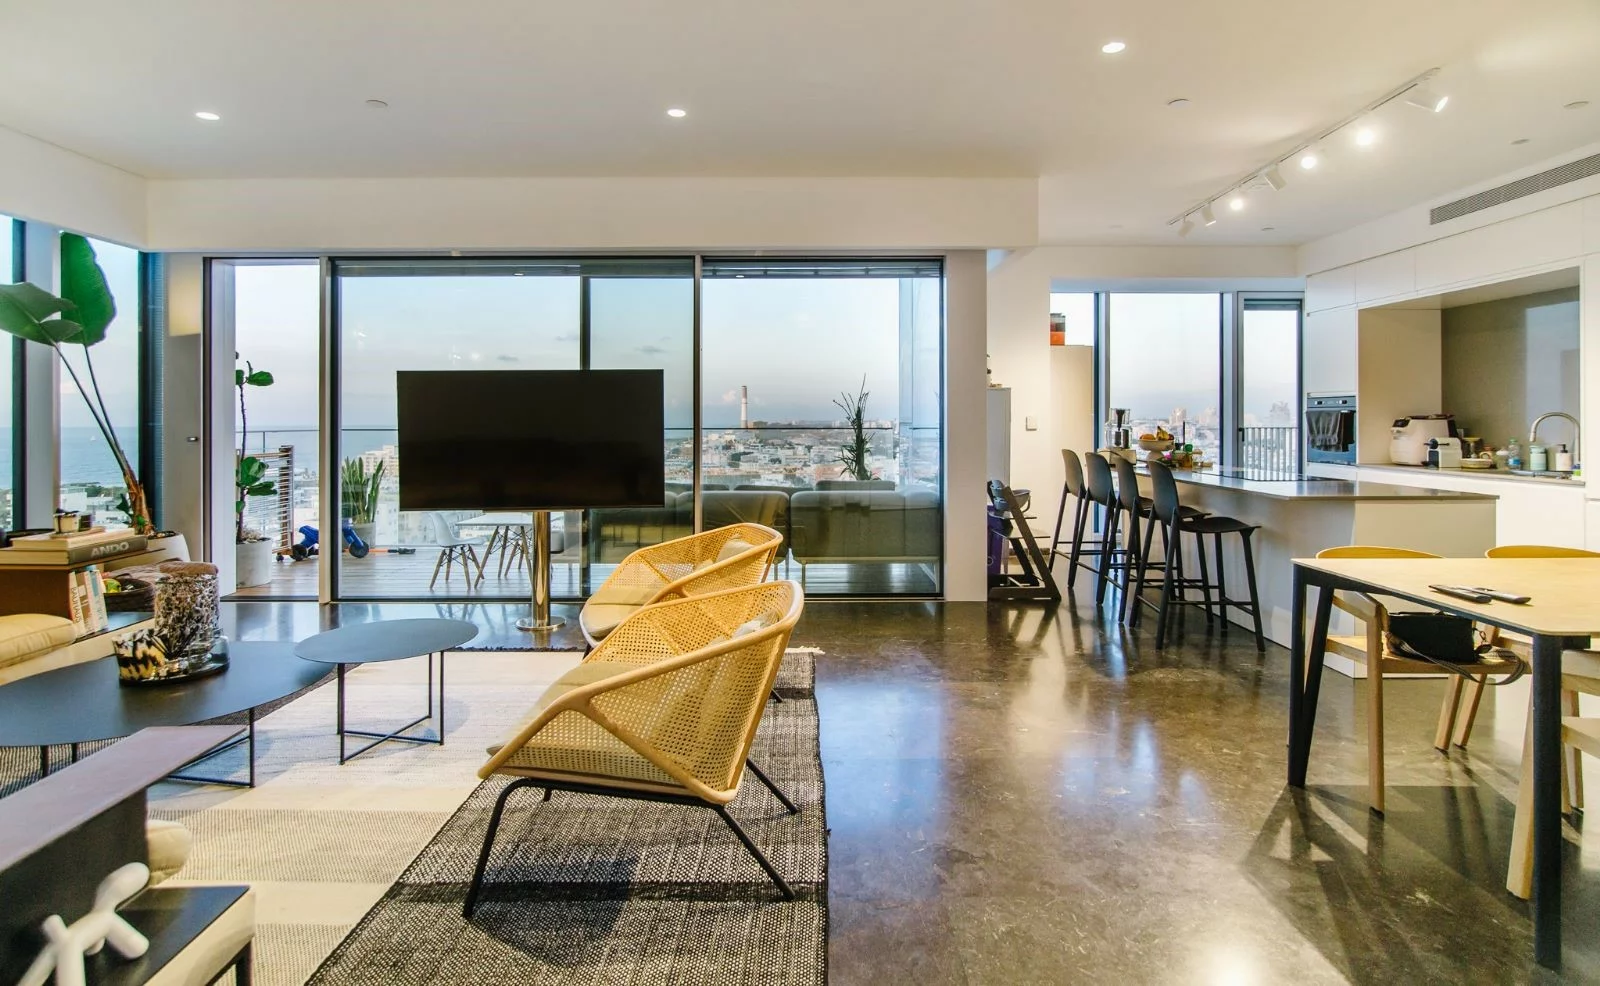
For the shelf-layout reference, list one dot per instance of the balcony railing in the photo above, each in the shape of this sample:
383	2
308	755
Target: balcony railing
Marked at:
1270	449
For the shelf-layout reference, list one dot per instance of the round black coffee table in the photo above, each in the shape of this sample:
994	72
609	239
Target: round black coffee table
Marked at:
387	640
85	702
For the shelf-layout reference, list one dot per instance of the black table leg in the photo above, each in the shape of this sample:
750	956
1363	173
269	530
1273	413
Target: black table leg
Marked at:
396	733
1547	800
1297	674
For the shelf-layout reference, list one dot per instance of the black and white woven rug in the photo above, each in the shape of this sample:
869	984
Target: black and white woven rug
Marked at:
584	889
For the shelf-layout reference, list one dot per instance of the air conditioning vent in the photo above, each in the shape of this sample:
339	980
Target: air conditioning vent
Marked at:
1583	168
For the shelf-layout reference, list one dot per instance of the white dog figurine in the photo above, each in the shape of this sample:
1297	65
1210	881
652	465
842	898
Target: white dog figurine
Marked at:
101	926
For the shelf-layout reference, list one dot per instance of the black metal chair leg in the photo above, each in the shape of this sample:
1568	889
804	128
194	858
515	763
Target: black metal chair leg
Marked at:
1061	518
1108	555
1255	600
1205	577
471	902
766	864
761	776
1222	584
1132	563
1080	515
1167	579
1144	567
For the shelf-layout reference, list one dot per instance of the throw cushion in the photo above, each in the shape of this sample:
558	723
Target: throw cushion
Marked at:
169	844
586	673
31	635
733	547
624	595
599	619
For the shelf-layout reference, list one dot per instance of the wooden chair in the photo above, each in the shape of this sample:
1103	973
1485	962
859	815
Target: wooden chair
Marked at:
1375	618
723	558
1578	735
1580	674
664	710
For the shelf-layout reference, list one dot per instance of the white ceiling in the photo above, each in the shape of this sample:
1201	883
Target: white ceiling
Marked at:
828	87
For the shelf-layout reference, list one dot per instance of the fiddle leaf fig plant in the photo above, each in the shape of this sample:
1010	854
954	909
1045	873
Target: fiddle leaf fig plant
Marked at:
250	472
79	316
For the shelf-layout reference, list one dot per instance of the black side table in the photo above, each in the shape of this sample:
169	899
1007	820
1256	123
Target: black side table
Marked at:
387	640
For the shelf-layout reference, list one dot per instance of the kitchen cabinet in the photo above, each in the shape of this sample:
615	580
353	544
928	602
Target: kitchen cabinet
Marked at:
1393	275
1331	289
1328	351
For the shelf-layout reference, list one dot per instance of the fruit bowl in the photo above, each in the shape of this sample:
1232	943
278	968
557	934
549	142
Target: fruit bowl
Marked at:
1156	444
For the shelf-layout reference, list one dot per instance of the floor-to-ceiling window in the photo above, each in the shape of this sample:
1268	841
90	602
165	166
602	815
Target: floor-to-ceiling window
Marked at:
10	350
822	416
1269	383
1163	362
91	480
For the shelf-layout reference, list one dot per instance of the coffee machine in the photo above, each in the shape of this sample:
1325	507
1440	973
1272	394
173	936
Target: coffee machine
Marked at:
1118	434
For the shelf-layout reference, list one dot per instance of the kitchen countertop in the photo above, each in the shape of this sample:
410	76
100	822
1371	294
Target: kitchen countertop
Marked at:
1495	474
1322	489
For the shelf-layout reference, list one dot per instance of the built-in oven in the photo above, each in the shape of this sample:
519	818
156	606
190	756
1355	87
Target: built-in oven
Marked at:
1331	428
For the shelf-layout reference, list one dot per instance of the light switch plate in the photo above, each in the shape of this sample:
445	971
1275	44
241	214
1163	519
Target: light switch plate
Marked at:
1031	423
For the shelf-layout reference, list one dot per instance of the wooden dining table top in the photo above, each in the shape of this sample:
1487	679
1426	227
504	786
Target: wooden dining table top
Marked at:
1564	592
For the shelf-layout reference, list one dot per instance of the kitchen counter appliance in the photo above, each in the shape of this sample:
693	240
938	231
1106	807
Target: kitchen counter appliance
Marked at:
1331	428
1444	453
1409	437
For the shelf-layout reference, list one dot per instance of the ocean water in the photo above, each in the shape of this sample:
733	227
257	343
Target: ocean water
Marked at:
85	457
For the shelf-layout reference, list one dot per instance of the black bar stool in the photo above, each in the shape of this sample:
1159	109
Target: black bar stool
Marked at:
1177	523
1102	491
1137	562
1078	551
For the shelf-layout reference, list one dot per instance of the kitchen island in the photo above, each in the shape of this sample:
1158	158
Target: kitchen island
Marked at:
1299	516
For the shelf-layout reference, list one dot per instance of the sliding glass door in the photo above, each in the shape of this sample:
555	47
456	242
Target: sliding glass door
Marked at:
1269	384
10	362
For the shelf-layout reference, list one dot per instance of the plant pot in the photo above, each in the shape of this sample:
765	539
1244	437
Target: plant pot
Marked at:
172	545
366	532
254	563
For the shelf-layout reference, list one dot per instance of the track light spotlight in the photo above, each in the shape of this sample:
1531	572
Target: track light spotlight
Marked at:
1186	227
1207	215
1274	178
1424	98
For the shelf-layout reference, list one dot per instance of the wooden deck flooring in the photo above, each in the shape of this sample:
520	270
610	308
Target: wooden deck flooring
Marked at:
383	575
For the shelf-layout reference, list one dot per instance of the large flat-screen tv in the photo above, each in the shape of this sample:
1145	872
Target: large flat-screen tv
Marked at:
530	439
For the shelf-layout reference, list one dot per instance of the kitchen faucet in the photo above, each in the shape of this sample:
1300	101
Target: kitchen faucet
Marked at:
1577	432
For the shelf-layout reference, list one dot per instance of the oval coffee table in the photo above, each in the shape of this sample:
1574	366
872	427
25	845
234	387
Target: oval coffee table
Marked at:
387	640
85	702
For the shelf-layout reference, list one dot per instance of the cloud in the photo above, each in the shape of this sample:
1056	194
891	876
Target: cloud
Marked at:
567	337
503	358
650	350
731	397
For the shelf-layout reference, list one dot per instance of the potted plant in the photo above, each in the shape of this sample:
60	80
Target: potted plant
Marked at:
358	493
79	316
253	552
853	457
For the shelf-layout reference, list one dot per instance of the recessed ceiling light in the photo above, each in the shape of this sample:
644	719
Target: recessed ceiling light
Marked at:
1576	104
677	114
208	116
377	104
1366	137
1178	103
1207	216
1236	203
1520	140
1112	47
1308	160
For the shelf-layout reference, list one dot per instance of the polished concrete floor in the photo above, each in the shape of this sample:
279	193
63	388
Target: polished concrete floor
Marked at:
1027	794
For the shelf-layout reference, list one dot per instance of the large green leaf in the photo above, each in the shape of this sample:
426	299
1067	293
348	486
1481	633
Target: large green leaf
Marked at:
25	310
259	378
83	284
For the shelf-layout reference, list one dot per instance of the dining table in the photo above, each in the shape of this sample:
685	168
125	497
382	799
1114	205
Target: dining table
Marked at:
508	532
1563	612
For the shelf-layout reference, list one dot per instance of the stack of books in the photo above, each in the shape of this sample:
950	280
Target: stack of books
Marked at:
76	548
88	601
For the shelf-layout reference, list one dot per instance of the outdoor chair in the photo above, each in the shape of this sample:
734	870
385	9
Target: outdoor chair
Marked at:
723	558
454	548
665	709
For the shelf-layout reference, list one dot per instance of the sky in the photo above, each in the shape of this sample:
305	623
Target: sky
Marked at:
797	344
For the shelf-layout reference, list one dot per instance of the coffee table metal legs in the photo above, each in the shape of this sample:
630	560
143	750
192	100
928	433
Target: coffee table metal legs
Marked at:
249	738
394	734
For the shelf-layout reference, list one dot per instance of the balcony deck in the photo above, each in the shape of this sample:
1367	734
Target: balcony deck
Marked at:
382	575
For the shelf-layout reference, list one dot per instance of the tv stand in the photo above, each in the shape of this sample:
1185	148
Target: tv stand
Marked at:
540	620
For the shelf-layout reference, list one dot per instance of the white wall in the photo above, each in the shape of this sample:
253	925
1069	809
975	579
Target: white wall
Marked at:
965	465
47	184
591	214
1019	324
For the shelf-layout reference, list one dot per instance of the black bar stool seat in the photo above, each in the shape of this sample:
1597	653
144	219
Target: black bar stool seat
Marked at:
1169	511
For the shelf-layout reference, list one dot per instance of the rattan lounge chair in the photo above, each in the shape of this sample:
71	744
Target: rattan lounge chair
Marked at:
724	558
664	709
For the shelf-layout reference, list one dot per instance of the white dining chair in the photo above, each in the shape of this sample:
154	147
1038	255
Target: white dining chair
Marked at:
454	548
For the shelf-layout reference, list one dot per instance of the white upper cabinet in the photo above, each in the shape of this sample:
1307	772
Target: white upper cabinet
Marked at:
1331	288
1393	275
1536	239
1328	352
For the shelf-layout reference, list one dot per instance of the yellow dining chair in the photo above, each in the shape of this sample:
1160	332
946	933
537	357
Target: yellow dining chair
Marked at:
1374	616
